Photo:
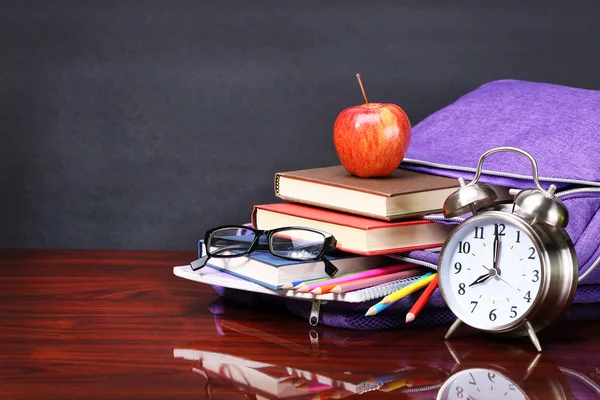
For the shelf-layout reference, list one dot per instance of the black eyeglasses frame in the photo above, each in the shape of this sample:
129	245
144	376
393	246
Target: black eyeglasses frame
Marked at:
329	243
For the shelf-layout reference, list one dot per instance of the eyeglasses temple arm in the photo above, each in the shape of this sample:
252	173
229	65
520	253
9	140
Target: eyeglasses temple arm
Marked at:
330	269
199	263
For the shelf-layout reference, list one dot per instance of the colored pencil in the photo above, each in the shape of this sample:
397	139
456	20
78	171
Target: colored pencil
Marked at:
324	395
358	275
340	393
316	386
413	287
422	300
393	385
392	376
294	380
293	285
299	381
297	284
375	280
405	291
377	308
410	374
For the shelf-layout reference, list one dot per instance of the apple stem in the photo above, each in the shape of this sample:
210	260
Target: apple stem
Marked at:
362	88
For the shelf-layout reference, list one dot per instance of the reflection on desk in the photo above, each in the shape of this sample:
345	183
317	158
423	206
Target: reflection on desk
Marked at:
323	369
104	325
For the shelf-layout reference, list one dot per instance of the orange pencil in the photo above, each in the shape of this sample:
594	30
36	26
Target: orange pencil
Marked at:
340	393
421	301
323	289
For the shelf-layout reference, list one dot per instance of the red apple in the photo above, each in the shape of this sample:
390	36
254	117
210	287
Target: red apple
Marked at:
371	139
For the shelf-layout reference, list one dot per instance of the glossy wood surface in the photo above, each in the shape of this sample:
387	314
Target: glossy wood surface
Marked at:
118	324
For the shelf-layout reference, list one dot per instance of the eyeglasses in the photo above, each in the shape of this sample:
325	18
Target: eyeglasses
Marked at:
291	243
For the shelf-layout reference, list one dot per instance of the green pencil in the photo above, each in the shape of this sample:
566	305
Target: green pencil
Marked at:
297	284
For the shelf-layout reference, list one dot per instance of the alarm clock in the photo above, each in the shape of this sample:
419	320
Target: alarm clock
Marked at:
508	269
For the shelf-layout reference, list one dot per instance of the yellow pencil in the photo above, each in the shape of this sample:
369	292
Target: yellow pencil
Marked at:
405	291
393	385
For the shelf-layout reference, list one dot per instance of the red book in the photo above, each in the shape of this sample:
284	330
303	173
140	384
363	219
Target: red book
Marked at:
354	234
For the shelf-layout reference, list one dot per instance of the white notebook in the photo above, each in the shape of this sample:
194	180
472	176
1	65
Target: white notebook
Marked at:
258	377
212	276
254	374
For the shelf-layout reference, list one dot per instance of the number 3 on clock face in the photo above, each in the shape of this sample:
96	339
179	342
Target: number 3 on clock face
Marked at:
491	272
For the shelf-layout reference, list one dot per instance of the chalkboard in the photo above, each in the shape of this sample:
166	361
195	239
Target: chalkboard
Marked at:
140	124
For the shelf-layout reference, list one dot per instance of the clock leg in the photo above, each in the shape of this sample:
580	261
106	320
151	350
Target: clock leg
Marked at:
533	336
453	353
453	328
532	366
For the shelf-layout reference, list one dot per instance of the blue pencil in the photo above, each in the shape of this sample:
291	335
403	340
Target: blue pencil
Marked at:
297	284
293	285
391	376
377	308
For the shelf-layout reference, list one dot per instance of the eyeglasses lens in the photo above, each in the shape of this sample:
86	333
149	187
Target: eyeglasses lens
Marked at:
230	242
298	244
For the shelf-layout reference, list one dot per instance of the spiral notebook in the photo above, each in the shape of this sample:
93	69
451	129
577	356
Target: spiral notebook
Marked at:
215	277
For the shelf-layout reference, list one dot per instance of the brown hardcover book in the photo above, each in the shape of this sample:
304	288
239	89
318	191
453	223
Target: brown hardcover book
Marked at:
402	195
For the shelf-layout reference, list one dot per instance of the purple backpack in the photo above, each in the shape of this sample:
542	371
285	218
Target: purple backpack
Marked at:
558	125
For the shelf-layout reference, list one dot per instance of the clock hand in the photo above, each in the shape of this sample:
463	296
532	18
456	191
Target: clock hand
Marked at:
511	286
494	272
481	279
495	247
496	251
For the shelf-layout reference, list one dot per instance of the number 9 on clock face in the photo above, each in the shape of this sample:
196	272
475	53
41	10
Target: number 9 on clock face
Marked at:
491	272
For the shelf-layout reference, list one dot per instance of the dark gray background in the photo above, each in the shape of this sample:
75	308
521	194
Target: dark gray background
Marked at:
140	124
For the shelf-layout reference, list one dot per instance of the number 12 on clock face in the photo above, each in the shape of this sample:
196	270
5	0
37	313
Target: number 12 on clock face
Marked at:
491	272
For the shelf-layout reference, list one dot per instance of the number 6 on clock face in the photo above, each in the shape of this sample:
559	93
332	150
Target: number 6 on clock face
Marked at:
491	272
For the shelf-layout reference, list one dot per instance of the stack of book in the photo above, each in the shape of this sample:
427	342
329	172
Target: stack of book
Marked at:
369	218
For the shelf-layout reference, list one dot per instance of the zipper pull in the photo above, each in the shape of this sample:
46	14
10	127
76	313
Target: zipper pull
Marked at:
314	340
313	319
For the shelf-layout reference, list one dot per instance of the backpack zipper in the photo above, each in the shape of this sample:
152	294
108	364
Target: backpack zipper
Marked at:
413	261
578	190
496	173
421	388
589	270
436	217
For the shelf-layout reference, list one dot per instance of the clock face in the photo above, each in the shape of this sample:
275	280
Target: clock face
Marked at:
491	272
480	384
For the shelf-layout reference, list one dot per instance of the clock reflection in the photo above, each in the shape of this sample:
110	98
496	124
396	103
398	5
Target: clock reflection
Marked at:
480	383
513	374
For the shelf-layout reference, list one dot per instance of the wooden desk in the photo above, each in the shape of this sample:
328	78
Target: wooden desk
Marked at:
117	324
